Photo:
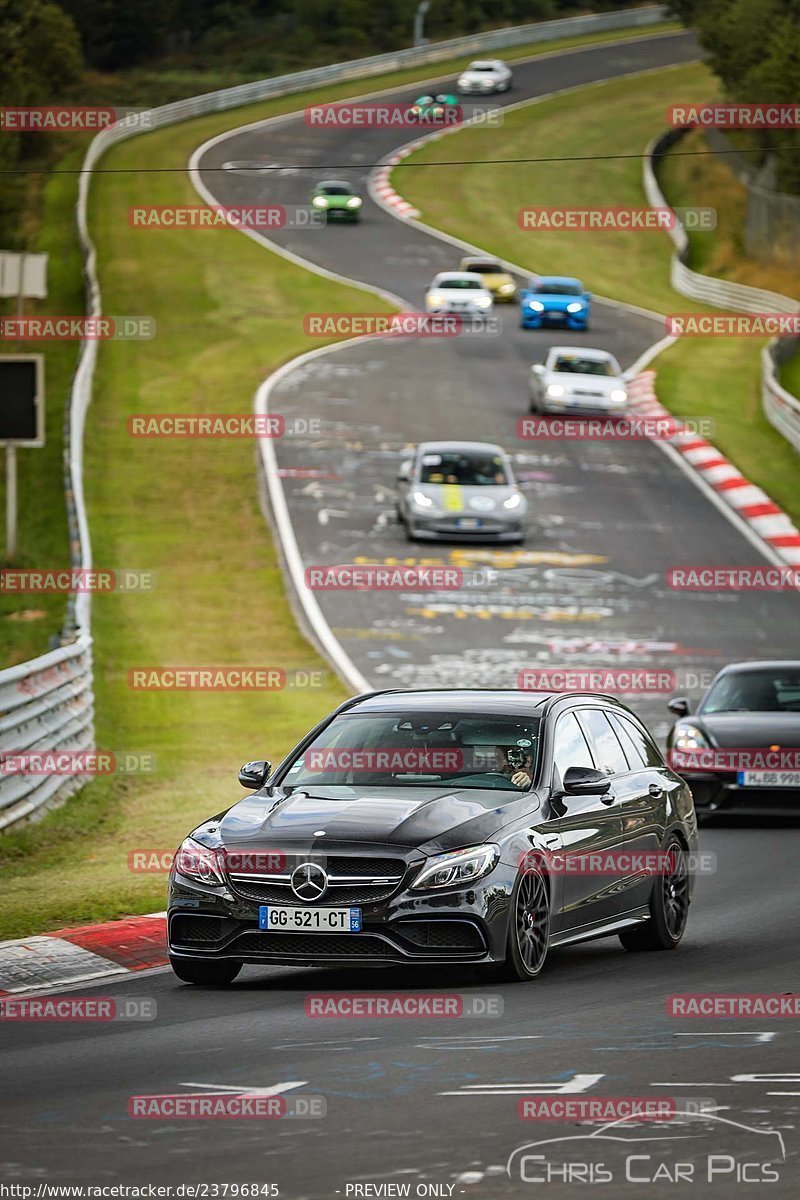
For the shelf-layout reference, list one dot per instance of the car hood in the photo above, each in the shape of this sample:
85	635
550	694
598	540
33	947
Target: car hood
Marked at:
461	293
431	818
496	279
589	383
477	76
455	497
555	299
749	729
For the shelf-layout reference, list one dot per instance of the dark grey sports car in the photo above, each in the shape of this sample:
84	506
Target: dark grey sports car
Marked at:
441	827
741	749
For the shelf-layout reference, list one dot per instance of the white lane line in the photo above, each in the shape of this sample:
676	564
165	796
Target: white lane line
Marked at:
224	1089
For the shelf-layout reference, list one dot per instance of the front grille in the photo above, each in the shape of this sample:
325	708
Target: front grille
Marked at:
276	893
186	929
352	880
290	945
442	935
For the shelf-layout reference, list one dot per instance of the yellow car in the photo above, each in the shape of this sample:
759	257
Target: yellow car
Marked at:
495	278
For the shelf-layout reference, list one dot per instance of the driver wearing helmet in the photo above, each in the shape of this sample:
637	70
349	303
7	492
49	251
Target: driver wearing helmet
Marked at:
516	763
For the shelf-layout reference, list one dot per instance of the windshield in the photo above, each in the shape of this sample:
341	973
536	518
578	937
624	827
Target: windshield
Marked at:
465	750
454	282
336	189
482	67
469	469
755	691
572	365
486	268
546	288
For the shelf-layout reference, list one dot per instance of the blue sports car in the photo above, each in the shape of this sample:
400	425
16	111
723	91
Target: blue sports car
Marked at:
555	298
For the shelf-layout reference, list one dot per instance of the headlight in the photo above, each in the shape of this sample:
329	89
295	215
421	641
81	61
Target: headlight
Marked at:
354	202
461	866
320	202
536	305
464	81
421	500
506	288
435	298
574	307
513	501
198	862
555	389
483	301
618	395
689	737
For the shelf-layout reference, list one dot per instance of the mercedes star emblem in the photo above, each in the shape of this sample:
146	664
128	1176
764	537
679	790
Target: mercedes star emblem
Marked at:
309	881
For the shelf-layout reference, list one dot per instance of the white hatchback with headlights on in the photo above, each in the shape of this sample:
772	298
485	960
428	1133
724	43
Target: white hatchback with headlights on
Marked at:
484	77
459	292
575	380
460	491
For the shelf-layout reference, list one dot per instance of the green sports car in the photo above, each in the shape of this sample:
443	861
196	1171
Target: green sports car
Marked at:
443	109
338	199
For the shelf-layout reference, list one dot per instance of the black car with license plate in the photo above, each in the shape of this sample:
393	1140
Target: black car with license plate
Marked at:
741	748
443	826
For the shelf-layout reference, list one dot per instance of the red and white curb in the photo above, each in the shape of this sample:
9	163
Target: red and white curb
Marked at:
382	190
769	522
88	952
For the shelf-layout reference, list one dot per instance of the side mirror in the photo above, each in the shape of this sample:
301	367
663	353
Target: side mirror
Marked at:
585	781
538	368
523	293
587	295
679	705
254	775
404	474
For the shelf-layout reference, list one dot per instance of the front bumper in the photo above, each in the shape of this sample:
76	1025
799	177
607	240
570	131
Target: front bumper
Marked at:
722	793
446	528
584	406
556	316
466	925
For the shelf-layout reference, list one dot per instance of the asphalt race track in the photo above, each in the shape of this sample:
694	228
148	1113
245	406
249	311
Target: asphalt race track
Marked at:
433	1103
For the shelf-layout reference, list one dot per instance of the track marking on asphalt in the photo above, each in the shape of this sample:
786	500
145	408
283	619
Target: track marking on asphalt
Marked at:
224	1089
340	1042
578	1083
761	1037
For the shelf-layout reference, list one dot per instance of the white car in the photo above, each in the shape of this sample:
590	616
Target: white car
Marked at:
458	292
573	379
484	77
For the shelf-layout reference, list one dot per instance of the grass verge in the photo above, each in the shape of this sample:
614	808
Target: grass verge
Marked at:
714	377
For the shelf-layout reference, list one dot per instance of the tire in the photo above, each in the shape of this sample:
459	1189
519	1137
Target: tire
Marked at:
205	972
528	928
669	909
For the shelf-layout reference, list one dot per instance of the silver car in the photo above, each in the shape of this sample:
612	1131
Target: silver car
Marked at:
575	380
484	77
459	292
460	491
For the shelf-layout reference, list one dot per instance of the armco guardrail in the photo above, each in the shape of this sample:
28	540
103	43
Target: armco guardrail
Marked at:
33	714
780	407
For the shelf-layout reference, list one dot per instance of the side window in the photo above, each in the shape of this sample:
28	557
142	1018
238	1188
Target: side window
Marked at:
571	748
645	750
634	747
605	744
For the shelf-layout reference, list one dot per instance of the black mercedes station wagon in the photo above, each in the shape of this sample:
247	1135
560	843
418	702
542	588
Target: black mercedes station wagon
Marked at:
452	826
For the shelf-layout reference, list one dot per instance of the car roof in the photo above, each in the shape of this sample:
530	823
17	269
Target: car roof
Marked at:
335	183
460	275
503	701
438	447
582	351
761	664
483	258
570	279
486	62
